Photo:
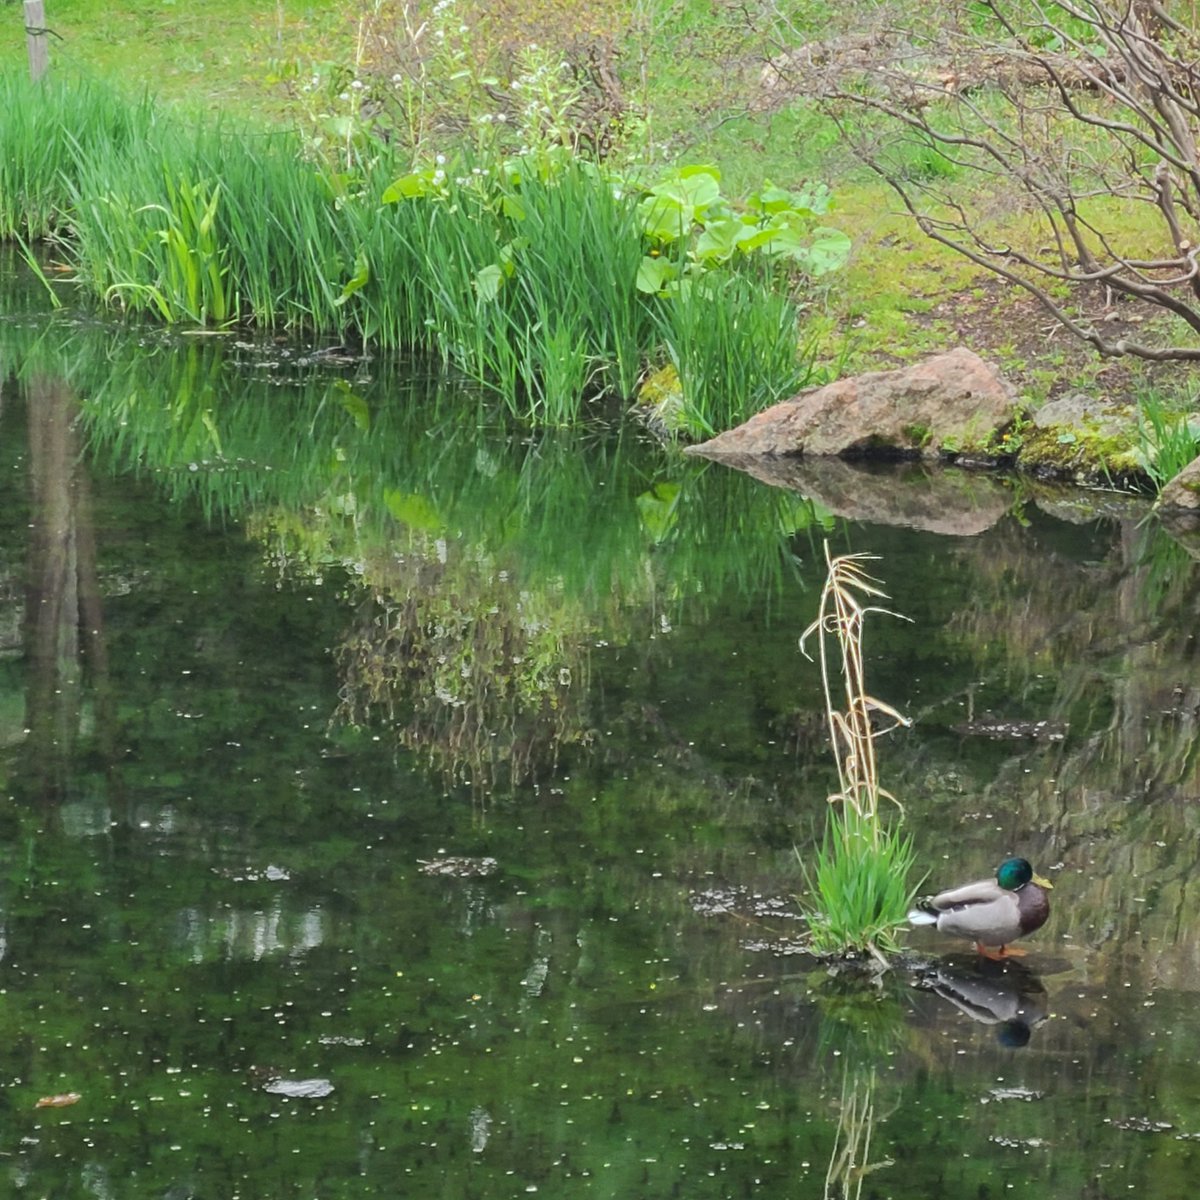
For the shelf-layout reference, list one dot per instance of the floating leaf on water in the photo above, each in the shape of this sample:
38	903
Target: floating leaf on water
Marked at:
299	1089
459	866
59	1101
1139	1124
1013	1093
1050	731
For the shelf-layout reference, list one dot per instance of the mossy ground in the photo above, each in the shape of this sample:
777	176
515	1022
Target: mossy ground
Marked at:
1083	454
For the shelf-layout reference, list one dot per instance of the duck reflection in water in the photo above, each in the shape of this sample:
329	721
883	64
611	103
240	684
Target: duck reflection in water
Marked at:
1006	994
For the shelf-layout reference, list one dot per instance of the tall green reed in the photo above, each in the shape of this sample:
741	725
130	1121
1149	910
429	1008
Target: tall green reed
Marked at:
734	345
1168	437
211	226
45	131
522	274
528	281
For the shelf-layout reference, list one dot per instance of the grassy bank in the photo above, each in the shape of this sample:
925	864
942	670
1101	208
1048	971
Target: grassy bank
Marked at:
684	86
218	53
542	276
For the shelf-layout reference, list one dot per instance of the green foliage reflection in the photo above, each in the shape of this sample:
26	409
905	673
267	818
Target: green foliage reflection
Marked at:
481	566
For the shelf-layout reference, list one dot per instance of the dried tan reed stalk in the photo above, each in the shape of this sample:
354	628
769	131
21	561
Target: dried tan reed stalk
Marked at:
840	616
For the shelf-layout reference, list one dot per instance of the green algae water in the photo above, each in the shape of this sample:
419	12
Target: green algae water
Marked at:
393	803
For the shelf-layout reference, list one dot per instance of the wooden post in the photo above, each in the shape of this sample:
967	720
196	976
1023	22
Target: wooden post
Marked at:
36	38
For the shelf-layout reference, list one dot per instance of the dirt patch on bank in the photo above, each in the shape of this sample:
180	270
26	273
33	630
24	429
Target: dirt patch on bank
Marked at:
1014	330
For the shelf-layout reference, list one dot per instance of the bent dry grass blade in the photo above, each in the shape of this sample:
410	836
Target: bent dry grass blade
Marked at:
859	892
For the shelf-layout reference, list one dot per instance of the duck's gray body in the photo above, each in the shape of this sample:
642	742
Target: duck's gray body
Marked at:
991	912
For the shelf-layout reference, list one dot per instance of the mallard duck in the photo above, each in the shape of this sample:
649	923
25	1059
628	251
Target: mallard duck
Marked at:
992	912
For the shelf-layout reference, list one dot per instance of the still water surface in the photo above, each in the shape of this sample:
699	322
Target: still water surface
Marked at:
396	804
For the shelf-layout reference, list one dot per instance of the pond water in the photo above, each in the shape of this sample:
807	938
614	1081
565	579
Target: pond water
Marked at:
395	803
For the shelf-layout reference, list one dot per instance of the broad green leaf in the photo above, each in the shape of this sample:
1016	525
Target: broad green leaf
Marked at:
357	281
755	239
664	218
412	510
653	274
694	189
718	240
508	255
657	509
488	281
354	404
409	187
801	514
828	251
814	199
772	199
818	251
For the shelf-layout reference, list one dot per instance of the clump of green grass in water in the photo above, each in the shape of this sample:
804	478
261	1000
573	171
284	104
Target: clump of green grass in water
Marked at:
861	887
1168	439
859	883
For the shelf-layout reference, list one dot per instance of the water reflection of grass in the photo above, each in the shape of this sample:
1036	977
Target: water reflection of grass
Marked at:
603	515
850	1160
485	679
481	565
860	1025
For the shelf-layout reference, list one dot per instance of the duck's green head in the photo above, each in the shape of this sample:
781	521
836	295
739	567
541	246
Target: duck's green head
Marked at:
1014	873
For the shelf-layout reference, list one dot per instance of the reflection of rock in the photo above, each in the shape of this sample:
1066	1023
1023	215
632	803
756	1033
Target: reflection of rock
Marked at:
1183	527
1079	506
1006	994
951	403
914	495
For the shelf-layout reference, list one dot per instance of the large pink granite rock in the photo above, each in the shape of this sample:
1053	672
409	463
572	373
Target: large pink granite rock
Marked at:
953	403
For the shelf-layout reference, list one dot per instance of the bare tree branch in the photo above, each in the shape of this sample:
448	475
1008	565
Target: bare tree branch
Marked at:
1070	132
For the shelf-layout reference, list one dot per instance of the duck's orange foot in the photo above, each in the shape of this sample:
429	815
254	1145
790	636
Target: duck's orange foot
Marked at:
998	954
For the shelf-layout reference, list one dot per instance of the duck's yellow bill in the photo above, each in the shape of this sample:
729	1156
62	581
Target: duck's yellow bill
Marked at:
1043	883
